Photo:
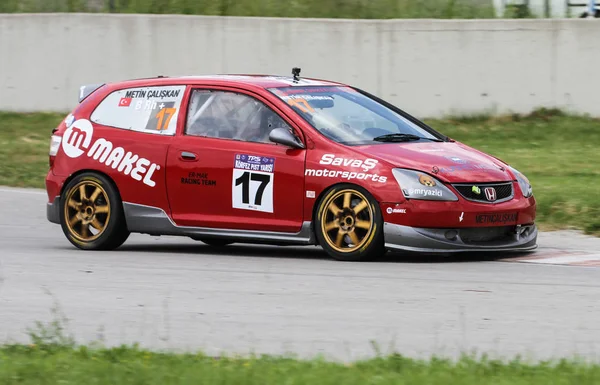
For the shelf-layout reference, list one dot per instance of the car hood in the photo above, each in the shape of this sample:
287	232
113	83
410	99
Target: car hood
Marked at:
454	161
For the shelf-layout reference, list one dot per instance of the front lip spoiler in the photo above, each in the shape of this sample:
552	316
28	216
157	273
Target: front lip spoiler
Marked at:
425	240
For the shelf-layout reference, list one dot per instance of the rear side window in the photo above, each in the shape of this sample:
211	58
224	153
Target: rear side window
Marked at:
145	109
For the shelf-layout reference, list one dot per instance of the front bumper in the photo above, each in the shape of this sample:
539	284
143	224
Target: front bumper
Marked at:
448	240
53	211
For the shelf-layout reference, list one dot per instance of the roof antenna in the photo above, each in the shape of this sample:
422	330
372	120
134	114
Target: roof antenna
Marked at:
296	73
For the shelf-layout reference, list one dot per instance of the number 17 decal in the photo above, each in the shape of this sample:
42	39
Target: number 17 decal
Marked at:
252	183
253	190
160	116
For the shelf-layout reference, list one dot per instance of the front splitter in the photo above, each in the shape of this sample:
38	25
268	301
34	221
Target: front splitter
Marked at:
428	240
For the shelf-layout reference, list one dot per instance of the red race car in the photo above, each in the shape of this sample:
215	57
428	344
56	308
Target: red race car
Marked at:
199	156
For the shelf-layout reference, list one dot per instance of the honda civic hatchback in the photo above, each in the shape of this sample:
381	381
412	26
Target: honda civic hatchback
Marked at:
276	160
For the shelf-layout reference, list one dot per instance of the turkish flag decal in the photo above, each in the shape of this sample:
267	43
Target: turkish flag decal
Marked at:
124	102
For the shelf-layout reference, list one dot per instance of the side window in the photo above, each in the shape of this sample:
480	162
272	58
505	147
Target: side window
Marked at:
145	109
230	115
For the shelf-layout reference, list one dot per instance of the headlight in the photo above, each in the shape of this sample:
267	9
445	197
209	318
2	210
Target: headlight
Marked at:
524	184
419	185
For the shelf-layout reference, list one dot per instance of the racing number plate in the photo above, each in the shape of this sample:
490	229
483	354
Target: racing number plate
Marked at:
252	184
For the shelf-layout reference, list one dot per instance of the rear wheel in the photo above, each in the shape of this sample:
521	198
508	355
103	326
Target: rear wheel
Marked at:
91	213
349	224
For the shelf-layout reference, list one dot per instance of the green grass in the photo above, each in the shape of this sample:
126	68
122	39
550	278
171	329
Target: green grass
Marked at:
356	9
45	365
24	145
559	153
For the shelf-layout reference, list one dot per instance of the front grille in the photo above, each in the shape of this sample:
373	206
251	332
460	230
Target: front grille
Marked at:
477	191
486	234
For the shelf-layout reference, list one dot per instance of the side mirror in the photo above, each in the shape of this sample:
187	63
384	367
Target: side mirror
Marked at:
285	137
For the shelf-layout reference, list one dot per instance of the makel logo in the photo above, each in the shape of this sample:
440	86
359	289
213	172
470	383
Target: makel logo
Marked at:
390	210
78	135
77	140
490	194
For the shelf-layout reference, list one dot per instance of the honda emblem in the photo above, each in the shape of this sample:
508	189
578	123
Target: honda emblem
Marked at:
490	194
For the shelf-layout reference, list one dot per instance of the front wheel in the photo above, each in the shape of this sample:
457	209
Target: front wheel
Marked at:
349	224
91	213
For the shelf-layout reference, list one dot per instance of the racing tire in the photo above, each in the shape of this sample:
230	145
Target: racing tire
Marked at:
215	242
91	213
349	224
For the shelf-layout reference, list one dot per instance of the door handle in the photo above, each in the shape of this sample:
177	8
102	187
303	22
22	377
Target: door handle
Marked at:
185	155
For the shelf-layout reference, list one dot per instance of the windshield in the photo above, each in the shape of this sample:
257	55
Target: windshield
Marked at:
348	117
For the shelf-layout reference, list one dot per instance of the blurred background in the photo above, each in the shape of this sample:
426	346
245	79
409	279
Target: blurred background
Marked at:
369	9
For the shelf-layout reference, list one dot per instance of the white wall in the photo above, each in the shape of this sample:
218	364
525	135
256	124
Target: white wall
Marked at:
428	67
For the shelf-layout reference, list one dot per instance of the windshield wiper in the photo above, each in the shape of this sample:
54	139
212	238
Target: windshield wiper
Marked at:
401	138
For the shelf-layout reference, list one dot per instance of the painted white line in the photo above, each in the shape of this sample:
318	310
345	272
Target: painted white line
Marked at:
588	263
22	191
547	253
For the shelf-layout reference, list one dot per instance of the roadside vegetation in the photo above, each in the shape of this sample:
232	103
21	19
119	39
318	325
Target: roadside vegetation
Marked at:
53	357
558	152
34	365
355	9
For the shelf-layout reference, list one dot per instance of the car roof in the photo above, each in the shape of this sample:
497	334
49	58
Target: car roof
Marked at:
262	81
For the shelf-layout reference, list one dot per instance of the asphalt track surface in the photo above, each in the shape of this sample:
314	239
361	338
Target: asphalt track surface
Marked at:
178	294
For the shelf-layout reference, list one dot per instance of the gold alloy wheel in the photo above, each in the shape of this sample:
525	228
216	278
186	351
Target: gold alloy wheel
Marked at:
347	221
87	210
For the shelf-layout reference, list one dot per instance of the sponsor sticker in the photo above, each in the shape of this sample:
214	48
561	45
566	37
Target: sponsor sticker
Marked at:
198	178
502	218
310	194
307	97
391	210
153	93
254	163
365	165
424	192
467	167
314	90
359	169
78	138
348	175
426	180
